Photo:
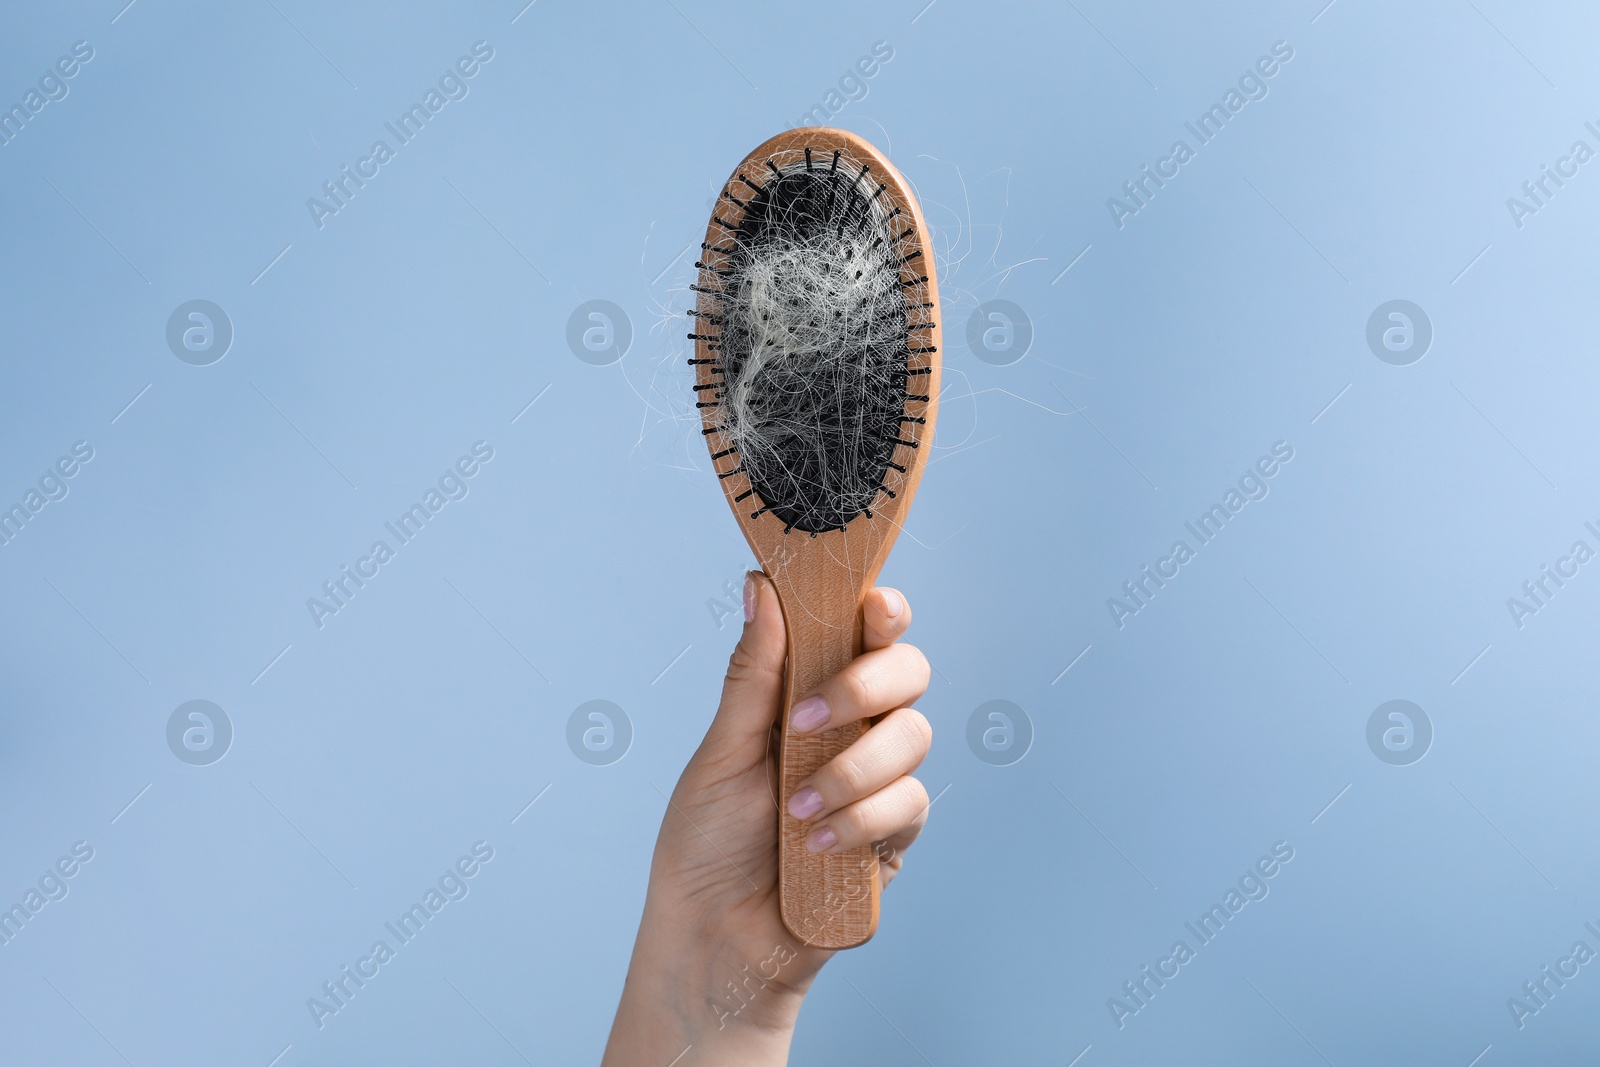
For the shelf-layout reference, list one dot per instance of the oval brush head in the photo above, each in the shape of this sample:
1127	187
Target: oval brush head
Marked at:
817	380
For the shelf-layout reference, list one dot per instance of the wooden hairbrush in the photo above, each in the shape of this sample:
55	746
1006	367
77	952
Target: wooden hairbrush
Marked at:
817	379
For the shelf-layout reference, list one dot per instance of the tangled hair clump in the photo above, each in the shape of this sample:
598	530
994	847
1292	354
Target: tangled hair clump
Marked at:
813	323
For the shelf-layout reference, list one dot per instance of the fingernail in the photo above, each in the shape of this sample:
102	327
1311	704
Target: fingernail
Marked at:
893	603
809	714
822	840
749	597
805	803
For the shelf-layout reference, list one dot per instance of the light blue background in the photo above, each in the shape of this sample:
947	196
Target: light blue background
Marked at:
425	716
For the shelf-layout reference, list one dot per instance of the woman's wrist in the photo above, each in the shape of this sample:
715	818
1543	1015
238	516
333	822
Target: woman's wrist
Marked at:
698	990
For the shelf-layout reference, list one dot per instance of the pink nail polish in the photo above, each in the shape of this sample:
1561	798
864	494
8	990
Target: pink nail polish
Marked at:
806	803
810	714
749	597
822	840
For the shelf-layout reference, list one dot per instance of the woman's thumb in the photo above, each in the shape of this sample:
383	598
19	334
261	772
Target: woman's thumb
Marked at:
752	691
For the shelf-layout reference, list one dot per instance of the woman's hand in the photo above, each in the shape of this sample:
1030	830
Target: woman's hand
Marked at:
714	968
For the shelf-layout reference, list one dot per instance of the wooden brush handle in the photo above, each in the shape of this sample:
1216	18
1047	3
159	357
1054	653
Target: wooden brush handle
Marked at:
827	900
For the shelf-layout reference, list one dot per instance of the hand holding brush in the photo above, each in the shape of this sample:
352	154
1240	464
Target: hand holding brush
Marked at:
714	965
817	380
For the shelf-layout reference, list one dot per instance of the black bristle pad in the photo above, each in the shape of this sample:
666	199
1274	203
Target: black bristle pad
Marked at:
814	345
